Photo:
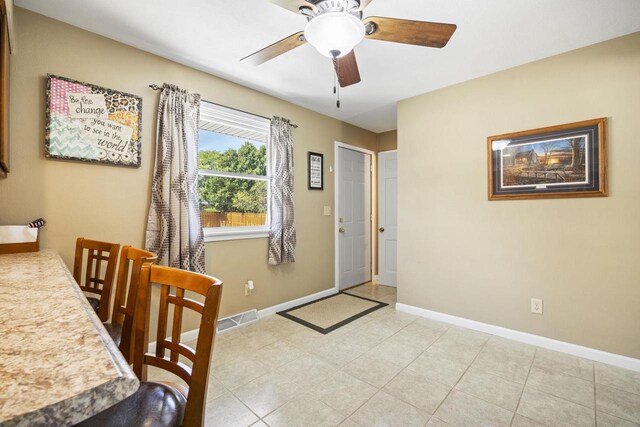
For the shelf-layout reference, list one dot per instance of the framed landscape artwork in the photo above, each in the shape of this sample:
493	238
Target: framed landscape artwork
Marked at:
92	124
559	161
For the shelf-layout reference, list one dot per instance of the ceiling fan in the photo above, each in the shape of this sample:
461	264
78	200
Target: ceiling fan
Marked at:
335	27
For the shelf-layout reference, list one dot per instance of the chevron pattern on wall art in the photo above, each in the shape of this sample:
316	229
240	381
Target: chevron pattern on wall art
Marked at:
64	139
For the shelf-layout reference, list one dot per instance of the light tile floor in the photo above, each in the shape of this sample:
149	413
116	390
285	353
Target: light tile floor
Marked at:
394	369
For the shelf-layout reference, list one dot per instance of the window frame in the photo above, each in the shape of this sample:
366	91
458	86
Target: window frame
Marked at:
229	117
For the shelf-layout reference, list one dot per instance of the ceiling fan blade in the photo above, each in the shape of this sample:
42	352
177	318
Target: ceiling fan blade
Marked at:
276	49
293	5
347	69
430	34
364	3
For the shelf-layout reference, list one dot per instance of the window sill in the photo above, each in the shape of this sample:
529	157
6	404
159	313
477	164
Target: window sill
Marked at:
220	236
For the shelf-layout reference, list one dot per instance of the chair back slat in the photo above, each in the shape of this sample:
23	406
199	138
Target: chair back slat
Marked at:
131	260
176	329
88	278
99	255
196	377
187	302
163	319
177	368
180	349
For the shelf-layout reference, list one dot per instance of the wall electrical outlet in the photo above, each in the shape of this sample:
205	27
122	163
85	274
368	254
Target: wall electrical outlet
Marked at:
536	305
248	288
327	210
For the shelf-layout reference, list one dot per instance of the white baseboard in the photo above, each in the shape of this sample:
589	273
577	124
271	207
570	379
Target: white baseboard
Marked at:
289	304
524	337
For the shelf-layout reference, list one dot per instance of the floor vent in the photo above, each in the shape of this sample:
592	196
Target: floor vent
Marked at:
237	320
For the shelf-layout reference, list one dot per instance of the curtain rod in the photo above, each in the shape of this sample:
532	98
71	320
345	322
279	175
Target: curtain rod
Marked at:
156	87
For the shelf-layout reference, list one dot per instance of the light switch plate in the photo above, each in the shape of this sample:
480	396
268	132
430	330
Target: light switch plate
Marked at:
327	210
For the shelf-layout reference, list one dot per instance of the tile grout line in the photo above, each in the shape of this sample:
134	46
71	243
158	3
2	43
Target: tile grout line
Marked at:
271	370
230	391
550	393
542	391
242	401
488	373
467	393
560	397
482	399
379	389
619	417
595	391
533	360
619	389
462	376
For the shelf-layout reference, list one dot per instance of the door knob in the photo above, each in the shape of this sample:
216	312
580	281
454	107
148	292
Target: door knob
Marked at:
341	230
381	229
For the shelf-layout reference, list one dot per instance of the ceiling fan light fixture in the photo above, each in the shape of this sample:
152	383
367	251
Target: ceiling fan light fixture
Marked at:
334	34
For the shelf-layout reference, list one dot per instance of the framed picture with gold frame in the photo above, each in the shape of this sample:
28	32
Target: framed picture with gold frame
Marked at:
568	160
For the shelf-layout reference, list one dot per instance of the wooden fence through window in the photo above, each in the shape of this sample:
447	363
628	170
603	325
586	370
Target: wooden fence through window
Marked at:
232	219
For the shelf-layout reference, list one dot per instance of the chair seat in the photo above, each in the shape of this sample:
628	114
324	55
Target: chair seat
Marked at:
154	404
95	303
115	332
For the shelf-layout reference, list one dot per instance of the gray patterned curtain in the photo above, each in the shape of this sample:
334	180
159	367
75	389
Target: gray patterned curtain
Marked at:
282	236
173	227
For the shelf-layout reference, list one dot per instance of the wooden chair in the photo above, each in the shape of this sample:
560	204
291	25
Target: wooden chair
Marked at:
129	268
164	404
97	254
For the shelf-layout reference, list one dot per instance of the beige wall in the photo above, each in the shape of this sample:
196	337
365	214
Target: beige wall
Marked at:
387	140
463	255
110	203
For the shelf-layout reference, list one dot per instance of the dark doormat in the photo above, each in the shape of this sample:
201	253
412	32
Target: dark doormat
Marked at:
332	312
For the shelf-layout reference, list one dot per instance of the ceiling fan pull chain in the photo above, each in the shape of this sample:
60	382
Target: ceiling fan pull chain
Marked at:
337	87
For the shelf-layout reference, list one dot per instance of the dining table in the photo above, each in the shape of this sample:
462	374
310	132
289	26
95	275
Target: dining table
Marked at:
58	364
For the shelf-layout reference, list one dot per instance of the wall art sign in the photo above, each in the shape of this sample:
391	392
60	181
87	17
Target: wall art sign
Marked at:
568	160
316	175
93	124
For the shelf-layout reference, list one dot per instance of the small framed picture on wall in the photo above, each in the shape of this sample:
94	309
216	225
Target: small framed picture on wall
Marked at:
315	170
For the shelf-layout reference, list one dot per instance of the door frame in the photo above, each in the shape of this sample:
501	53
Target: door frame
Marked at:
336	197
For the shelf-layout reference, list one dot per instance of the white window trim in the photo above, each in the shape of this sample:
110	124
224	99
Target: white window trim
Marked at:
241	120
230	233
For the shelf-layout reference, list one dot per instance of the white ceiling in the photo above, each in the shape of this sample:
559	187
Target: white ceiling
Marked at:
212	35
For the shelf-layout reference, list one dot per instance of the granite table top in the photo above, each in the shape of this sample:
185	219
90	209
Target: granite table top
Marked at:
58	365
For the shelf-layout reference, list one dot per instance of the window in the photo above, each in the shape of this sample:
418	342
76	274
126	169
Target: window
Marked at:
233	184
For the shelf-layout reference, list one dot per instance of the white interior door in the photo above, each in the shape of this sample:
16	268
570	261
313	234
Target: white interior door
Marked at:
354	217
387	217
